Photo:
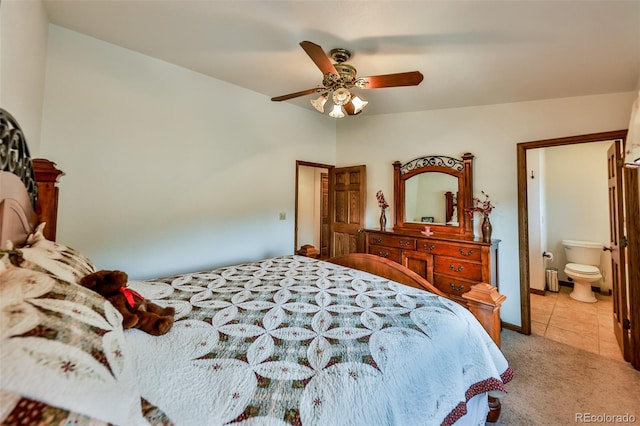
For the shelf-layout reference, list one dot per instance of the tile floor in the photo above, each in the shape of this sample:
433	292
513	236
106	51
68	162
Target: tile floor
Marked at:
588	326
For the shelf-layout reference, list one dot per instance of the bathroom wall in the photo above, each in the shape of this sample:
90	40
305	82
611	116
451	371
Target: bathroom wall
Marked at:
537	220
575	187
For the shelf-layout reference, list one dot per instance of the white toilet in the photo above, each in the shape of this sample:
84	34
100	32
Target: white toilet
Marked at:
583	262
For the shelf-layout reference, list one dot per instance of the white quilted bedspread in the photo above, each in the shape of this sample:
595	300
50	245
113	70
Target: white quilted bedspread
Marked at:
293	340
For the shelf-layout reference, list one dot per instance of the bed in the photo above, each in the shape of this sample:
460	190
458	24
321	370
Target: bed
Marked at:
287	340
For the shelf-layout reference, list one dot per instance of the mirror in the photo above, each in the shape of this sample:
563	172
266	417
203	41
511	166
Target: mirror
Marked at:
431	198
434	191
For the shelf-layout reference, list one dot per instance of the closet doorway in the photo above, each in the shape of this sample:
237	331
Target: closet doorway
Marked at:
312	207
329	216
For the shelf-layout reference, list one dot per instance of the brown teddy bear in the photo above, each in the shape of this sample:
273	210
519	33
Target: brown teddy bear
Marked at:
136	311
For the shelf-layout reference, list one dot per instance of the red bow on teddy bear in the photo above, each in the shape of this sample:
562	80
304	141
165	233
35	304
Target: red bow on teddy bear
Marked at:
128	295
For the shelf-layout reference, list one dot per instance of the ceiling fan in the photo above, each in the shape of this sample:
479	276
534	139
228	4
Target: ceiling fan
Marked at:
339	77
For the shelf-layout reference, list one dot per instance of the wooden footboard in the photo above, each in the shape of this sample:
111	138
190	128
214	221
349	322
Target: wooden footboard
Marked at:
385	268
483	300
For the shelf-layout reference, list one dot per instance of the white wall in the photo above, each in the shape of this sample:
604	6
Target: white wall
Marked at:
168	170
536	219
577	205
23	46
491	133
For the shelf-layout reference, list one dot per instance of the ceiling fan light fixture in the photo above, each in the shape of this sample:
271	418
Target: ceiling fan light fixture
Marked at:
319	103
336	112
341	96
358	104
339	77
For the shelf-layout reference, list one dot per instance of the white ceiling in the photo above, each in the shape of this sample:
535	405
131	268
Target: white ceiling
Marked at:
470	52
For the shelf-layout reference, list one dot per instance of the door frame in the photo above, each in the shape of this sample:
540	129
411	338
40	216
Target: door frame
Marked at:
617	181
295	226
523	209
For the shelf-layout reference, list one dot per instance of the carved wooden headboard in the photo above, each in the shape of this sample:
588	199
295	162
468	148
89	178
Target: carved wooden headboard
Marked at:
28	188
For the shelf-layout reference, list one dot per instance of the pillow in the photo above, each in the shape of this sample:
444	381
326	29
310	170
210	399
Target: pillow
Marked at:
63	262
63	345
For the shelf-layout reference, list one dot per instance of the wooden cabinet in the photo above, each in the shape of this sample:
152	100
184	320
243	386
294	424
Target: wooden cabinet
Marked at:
452	264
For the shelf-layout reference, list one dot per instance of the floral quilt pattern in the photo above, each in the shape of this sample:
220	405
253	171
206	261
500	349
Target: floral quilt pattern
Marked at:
293	340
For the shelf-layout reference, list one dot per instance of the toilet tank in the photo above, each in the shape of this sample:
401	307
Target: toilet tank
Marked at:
583	252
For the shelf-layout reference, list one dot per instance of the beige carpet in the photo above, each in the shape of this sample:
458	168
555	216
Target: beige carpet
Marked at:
555	384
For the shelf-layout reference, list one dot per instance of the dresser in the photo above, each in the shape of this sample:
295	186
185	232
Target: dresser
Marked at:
452	263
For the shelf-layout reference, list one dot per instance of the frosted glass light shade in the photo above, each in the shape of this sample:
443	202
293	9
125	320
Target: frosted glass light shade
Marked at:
319	103
336	112
358	104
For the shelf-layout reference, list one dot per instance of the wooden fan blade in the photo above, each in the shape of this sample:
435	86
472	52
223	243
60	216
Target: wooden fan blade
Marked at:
412	78
294	95
349	108
318	56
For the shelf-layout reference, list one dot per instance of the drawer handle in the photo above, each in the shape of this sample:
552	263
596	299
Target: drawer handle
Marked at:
454	269
405	243
376	240
458	288
383	254
469	253
431	247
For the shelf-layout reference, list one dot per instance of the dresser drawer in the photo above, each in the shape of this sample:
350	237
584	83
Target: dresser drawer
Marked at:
390	253
406	243
466	251
457	268
452	285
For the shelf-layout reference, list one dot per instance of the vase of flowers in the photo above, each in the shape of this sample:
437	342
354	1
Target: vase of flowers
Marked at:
484	207
382	203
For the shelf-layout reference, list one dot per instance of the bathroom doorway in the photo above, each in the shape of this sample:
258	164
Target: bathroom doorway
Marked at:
570	203
567	203
524	226
523	209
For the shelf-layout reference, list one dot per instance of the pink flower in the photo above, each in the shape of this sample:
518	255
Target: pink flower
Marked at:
381	201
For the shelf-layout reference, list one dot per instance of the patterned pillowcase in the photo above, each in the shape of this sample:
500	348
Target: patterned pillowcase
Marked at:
15	409
5	263
63	345
63	262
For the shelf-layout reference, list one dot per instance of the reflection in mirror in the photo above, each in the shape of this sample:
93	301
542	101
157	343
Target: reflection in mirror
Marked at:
431	198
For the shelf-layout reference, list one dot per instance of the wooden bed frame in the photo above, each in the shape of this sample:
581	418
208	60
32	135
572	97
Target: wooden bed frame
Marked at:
483	300
18	217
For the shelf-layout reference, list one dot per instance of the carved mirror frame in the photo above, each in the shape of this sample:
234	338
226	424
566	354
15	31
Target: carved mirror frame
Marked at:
462	169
